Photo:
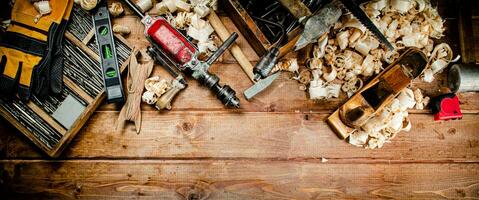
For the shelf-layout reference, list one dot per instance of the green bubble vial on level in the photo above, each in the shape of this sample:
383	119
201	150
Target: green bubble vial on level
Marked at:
110	73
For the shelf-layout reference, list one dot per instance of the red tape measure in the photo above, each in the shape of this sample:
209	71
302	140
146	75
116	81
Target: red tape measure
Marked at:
446	107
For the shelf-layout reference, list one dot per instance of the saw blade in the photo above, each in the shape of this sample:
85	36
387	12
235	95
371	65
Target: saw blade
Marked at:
359	14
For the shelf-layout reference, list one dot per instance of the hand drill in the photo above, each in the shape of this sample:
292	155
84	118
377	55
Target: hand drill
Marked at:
173	50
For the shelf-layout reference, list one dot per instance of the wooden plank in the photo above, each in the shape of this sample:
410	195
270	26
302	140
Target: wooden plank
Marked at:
47	118
119	179
89	36
247	26
283	95
70	84
78	124
466	32
475	28
84	48
278	136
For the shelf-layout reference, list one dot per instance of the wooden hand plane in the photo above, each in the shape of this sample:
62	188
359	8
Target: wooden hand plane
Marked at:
378	93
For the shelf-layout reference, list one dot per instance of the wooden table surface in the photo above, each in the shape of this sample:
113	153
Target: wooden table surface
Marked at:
271	148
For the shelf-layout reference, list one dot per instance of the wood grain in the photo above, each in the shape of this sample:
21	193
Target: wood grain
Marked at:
194	179
271	148
273	136
283	95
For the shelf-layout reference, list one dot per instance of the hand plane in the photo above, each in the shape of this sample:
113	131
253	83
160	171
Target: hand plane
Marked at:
378	93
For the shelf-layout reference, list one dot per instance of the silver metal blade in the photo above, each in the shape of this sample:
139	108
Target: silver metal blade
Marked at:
359	14
318	24
260	86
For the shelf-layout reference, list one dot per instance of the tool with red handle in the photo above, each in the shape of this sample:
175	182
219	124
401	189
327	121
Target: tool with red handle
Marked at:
173	50
445	107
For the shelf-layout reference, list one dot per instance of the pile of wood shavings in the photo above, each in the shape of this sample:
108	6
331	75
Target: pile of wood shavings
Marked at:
387	123
189	15
349	54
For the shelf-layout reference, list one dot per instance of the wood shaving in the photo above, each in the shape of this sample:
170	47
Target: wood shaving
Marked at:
290	65
155	87
170	6
144	5
210	3
388	122
200	30
116	9
331	75
350	53
123	30
88	4
319	90
304	77
188	15
43	8
421	100
202	10
138	71
440	58
165	100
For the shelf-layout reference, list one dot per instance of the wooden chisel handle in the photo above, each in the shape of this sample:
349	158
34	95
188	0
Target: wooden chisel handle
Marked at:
288	47
235	49
296	7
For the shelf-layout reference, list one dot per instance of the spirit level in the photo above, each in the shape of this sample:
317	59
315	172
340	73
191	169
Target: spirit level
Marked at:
108	59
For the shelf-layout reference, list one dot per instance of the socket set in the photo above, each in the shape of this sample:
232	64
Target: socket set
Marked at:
51	122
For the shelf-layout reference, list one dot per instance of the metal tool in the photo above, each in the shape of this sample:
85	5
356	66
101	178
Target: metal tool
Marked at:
314	25
262	69
359	14
173	50
446	107
378	93
463	78
319	23
31	121
260	86
107	52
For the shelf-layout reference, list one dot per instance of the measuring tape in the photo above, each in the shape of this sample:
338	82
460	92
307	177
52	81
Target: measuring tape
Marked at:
446	107
107	50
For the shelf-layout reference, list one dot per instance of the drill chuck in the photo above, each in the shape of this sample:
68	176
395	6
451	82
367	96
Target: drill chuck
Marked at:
266	64
224	93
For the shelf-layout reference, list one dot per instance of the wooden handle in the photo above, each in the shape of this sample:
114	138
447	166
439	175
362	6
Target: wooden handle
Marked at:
235	49
296	7
288	47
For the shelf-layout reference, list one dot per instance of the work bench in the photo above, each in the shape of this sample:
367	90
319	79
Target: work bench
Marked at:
276	146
